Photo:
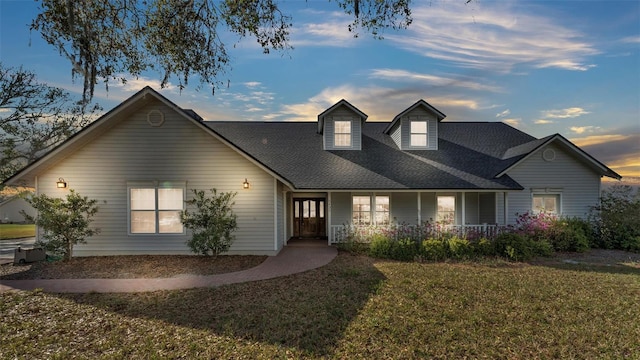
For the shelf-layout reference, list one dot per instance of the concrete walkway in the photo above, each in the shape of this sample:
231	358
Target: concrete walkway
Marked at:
291	260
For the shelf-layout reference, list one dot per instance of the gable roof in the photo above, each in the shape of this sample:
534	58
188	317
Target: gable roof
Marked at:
342	102
524	151
470	155
420	103
107	121
295	152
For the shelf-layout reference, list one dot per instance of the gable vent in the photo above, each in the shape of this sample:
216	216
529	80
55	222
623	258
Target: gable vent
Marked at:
155	118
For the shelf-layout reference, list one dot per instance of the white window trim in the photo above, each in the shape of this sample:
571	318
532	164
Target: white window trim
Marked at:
155	185
372	208
350	133
455	206
426	134
557	194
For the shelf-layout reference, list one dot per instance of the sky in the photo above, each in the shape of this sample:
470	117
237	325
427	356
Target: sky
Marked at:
544	67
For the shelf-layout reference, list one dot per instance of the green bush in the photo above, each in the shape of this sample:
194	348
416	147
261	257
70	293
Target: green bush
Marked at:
64	222
631	244
380	247
484	247
212	222
459	248
434	249
404	250
517	247
617	218
568	234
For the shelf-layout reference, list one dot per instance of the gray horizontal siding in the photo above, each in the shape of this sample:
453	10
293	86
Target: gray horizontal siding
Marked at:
177	151
578	185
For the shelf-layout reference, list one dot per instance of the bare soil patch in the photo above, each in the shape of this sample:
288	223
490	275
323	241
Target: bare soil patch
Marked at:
126	267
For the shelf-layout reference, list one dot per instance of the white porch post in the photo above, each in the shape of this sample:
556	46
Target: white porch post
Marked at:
328	224
506	207
464	209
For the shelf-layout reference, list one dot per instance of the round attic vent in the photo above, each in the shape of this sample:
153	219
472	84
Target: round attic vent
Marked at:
549	155
155	118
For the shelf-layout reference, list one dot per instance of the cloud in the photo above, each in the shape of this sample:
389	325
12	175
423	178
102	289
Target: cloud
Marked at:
332	31
583	129
567	113
496	36
379	103
430	80
618	151
513	122
252	84
598	139
543	122
503	113
631	39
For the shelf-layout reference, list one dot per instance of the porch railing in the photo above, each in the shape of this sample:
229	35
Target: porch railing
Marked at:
340	233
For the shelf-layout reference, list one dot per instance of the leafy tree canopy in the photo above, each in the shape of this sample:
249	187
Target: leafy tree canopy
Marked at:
104	39
34	117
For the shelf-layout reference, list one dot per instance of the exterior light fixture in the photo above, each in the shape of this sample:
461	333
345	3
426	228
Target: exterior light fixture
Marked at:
245	184
61	184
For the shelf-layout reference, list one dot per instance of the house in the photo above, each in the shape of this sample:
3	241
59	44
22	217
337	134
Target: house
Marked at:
306	179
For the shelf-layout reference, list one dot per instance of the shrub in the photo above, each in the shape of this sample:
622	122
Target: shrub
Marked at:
404	250
617	218
519	248
568	234
459	248
212	222
484	247
64	222
380	247
434	249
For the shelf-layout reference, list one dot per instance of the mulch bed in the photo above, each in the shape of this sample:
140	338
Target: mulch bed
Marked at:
124	267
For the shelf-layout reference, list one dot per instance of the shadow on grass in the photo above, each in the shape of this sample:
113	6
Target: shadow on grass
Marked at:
308	311
595	260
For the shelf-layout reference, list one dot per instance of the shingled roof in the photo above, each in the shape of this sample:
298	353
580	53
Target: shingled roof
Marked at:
469	156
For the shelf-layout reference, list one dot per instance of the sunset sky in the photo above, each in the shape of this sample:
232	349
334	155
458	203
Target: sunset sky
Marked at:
544	67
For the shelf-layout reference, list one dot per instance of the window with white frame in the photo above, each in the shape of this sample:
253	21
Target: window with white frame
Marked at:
418	133
547	203
382	210
446	209
342	133
361	210
155	210
371	210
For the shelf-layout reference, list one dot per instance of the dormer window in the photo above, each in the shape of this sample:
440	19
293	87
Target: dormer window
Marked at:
418	133
342	135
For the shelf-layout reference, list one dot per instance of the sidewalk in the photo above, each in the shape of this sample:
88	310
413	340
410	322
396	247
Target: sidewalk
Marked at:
291	260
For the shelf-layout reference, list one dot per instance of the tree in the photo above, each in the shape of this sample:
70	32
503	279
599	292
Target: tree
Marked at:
617	218
212	222
64	223
34	117
104	39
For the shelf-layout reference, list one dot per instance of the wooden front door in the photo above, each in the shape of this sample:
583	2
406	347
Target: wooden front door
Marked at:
309	218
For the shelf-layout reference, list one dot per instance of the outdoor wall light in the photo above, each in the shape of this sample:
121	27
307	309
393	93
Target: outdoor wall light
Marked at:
245	184
61	184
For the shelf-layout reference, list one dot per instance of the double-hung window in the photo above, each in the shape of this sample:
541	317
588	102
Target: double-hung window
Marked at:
371	210
446	209
342	133
418	133
547	203
155	209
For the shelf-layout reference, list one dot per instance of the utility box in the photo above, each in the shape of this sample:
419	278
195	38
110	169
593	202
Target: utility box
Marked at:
22	256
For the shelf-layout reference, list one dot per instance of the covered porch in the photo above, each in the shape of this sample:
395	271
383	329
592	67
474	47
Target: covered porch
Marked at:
326	215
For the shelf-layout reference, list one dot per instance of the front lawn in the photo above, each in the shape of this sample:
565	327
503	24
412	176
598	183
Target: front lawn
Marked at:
355	307
14	231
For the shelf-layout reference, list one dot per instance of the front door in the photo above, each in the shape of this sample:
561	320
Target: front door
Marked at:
309	218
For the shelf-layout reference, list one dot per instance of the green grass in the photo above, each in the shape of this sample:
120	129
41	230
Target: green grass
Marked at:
13	231
356	307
